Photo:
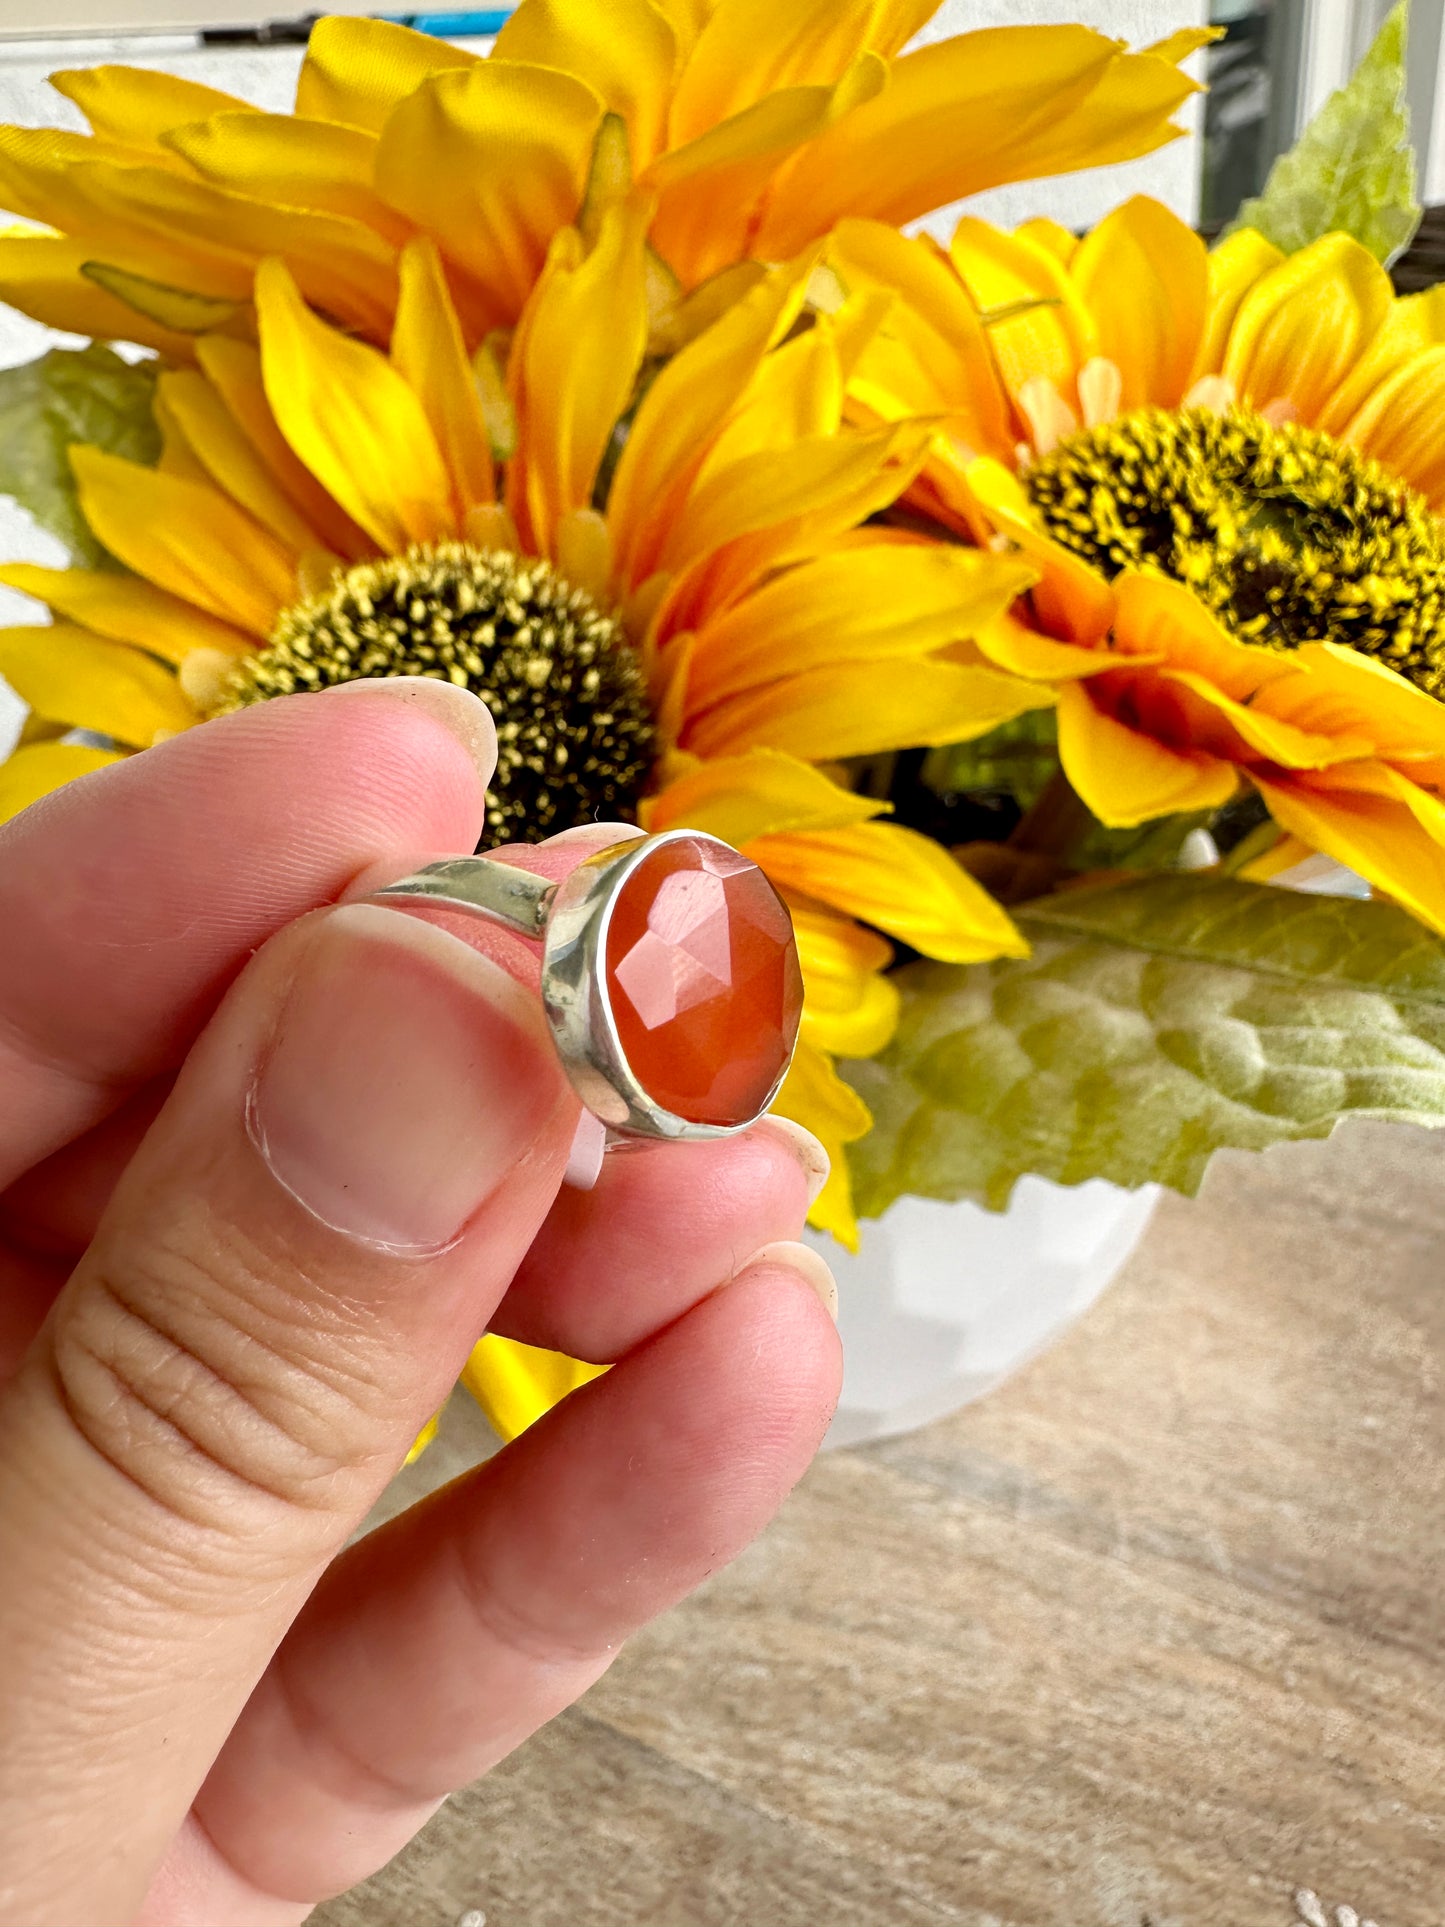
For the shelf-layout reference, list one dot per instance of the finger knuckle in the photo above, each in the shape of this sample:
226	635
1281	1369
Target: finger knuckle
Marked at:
180	1369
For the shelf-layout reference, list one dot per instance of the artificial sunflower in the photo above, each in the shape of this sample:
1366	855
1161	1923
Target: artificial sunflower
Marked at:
754	124
672	606
1255	427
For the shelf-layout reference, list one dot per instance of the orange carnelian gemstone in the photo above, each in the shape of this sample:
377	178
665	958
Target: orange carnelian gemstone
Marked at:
706	990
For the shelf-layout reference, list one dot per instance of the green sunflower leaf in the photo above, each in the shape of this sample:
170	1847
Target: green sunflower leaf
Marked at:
1353	168
1157	1022
68	396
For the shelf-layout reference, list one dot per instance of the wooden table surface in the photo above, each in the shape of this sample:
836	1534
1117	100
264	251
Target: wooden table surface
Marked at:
1153	1637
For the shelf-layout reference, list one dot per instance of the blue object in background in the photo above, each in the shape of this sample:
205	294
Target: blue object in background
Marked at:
456	26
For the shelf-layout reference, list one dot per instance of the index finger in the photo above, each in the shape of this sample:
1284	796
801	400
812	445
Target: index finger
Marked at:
131	898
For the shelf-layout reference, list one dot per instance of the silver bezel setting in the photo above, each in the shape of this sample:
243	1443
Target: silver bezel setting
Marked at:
573	919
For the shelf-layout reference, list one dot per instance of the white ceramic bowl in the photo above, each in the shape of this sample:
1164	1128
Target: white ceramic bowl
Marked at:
945	1301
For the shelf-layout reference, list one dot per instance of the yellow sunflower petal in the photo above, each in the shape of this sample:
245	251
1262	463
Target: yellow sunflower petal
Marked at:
340	264
1412	328
61	179
1236	265
850	1007
934	356
1381	837
126	609
423	1439
35	771
352	419
1001	104
1013	646
88	682
235	369
751	48
1345	693
862	709
627	52
1301	329
1125	777
815	1096
797	392
574	364
1144	276
1400	425
356	71
897	880
684	410
491	163
185	537
852	605
1044	232
761	490
41	274
781	512
1073	601
428	352
517	1384
1162	621
711	191
136	105
229	458
756	794
1047	342
1270	736
298	163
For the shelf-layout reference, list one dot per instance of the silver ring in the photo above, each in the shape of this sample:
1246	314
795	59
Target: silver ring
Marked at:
685	957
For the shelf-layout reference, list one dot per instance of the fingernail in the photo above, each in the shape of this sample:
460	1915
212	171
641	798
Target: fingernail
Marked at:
459	710
407	1077
802	1259
598	836
804	1147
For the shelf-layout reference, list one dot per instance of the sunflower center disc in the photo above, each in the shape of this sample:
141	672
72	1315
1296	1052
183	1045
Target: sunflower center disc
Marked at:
1288	535
706	989
575	735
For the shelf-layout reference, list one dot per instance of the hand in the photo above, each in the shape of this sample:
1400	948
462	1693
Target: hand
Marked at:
254	1211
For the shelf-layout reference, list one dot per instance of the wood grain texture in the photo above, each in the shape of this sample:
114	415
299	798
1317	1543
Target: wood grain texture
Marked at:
1154	1635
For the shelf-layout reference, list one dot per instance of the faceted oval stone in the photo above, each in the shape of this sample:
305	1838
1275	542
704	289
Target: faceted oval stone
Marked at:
706	989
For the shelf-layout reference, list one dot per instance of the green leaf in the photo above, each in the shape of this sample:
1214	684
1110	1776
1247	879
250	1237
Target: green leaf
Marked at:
1353	168
1157	1022
1019	759
68	396
1016	759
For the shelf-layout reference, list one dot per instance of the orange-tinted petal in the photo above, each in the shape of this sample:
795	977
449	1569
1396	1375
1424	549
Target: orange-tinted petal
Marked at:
898	881
1379	836
1125	777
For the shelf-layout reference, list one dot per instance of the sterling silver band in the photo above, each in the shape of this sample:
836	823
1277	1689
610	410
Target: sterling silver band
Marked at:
572	919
